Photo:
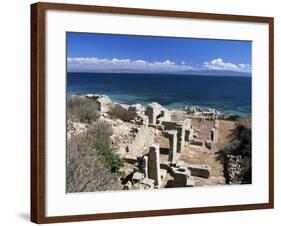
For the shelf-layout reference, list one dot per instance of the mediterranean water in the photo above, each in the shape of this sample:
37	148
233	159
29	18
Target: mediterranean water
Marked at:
230	94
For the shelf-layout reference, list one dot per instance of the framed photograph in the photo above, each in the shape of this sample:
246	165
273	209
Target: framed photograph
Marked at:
141	112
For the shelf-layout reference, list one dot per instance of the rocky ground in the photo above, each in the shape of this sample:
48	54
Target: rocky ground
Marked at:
131	140
194	154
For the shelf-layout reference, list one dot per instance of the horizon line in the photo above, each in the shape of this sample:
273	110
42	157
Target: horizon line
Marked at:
237	74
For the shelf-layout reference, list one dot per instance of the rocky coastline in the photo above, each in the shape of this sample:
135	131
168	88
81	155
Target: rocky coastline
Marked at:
163	148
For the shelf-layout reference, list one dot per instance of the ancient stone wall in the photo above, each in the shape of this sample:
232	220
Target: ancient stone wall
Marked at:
154	164
172	136
143	138
181	138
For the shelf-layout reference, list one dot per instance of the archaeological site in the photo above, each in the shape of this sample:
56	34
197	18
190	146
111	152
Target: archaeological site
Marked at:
151	147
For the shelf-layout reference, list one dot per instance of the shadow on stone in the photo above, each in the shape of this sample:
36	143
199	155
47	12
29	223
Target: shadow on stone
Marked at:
164	151
124	180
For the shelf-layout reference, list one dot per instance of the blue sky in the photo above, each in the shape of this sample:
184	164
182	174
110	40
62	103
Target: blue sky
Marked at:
110	53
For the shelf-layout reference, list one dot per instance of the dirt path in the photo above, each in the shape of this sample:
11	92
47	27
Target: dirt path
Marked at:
225	134
193	154
199	155
204	127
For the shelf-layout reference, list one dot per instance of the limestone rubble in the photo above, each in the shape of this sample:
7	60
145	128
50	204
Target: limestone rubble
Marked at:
148	164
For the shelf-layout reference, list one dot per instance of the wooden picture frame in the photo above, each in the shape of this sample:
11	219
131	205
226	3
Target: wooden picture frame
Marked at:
38	108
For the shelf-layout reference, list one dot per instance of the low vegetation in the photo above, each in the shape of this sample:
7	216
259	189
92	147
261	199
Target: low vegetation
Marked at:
91	164
230	117
121	113
240	145
111	158
81	109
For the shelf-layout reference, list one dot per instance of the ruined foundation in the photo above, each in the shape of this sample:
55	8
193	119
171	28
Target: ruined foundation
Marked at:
181	138
172	136
154	164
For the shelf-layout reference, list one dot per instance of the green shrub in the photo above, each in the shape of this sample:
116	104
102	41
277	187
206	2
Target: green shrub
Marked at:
86	170
100	133
91	164
120	112
112	159
241	144
82	109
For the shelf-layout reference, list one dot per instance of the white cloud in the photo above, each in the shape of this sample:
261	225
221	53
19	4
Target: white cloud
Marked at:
219	64
110	65
140	61
92	64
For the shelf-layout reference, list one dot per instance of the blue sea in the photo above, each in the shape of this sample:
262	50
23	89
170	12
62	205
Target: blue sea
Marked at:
227	94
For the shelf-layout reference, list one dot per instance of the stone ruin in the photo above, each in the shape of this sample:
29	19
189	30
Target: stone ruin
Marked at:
203	113
156	113
104	102
150	170
172	136
153	166
182	177
204	143
139	111
214	133
196	170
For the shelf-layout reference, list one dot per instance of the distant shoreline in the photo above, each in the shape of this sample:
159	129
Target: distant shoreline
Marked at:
229	115
228	94
217	73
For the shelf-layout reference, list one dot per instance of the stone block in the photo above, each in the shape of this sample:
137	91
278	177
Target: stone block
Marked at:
197	142
180	138
144	166
168	125
181	164
165	113
137	176
189	134
128	186
148	182
216	123
153	111
208	144
163	173
154	164
214	135
172	136
164	164
182	177
200	170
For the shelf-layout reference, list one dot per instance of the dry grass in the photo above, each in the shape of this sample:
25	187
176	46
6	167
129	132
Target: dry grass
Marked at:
81	109
121	113
90	163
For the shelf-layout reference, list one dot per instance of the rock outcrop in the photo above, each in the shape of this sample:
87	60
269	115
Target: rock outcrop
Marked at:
135	139
103	101
233	169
